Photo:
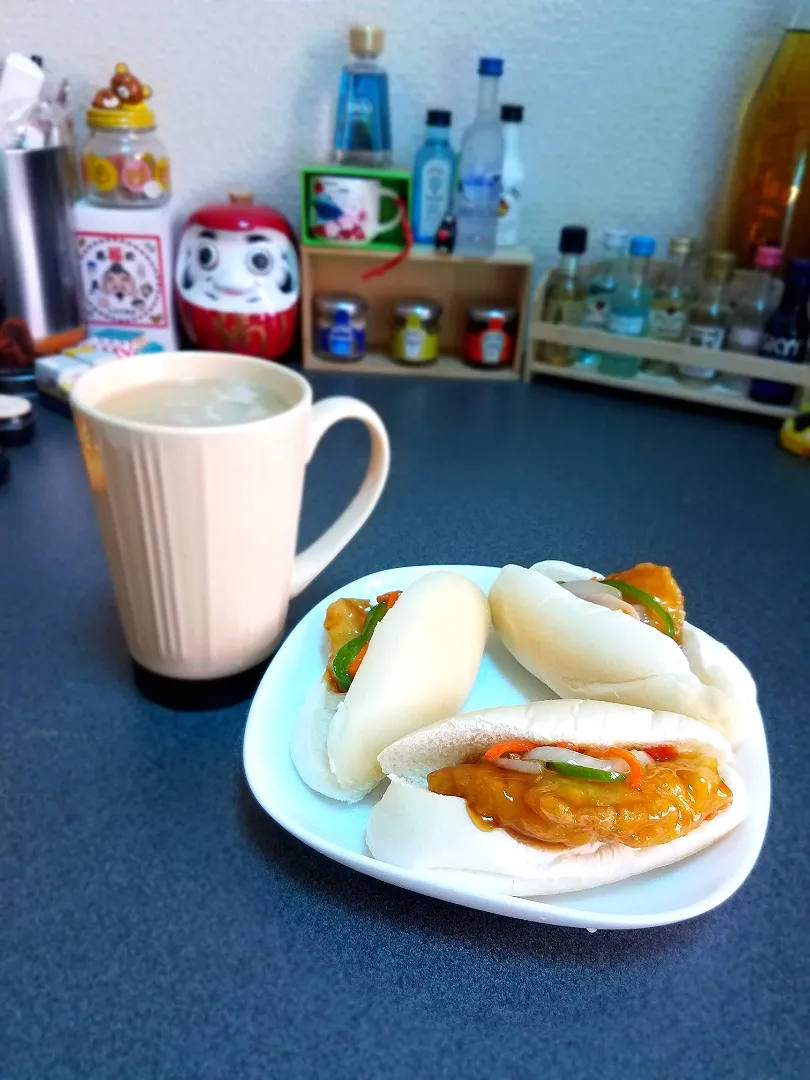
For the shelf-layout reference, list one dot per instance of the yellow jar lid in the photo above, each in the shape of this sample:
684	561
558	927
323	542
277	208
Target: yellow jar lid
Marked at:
125	116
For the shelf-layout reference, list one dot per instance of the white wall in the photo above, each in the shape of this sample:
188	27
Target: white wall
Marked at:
629	103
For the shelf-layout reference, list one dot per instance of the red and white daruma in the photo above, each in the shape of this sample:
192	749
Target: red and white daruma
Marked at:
237	281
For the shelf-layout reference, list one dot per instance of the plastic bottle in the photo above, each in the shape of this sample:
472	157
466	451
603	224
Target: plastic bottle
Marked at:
480	168
509	211
433	170
601	286
710	317
362	123
670	304
751	312
785	335
629	308
565	293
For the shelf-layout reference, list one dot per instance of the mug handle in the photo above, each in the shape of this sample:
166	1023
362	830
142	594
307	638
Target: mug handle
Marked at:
309	563
387	193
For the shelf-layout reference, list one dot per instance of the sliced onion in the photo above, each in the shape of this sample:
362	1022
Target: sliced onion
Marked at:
519	765
573	757
601	593
642	756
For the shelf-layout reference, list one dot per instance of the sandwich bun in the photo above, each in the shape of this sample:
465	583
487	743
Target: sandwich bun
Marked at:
433	834
420	666
583	650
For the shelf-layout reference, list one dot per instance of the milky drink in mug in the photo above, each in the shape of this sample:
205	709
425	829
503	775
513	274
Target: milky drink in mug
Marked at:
196	463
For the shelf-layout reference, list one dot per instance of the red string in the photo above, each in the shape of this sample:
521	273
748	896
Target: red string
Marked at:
377	271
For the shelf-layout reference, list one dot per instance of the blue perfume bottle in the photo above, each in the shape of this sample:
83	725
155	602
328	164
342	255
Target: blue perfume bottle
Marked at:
362	124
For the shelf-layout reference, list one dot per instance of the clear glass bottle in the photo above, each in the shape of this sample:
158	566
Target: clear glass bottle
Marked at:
753	308
433	170
601	286
709	318
671	303
480	168
629	308
362	122
785	335
565	293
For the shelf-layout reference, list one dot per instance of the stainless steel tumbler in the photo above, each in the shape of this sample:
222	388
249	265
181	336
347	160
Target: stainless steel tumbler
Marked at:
39	265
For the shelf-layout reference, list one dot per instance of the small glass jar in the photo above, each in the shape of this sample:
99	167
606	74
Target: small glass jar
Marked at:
124	163
339	326
416	331
490	337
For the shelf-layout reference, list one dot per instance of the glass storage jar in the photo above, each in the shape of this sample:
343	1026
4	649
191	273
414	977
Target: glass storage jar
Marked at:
124	163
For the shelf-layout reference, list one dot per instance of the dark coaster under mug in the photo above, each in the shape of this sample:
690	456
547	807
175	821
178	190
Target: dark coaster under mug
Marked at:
198	695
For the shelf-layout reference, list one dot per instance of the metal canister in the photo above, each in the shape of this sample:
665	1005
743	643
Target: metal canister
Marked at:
490	337
416	331
339	326
39	266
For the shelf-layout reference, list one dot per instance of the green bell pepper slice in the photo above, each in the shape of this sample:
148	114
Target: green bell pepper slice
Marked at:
638	596
347	654
582	772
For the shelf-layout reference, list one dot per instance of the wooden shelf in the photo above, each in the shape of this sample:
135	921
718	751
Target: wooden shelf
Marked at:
517	256
662	386
447	367
731	363
455	281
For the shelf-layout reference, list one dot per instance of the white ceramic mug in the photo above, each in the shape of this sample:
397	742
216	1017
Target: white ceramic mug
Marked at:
346	209
200	524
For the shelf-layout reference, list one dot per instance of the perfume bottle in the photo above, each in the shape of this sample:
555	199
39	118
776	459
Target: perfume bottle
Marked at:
362	125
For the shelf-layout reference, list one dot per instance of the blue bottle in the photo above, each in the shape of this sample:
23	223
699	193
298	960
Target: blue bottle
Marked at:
433	171
784	336
629	308
362	123
480	167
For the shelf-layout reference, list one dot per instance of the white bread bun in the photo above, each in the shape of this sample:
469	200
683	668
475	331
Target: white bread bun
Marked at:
420	666
584	650
433	834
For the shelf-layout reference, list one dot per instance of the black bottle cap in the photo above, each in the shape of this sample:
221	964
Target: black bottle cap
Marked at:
439	117
36	59
573	240
512	114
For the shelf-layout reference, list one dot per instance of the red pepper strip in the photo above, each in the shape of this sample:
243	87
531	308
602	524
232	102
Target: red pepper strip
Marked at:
514	746
389	599
634	774
354	666
661	753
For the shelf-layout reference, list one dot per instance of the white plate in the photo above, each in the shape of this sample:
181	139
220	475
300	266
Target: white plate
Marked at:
338	830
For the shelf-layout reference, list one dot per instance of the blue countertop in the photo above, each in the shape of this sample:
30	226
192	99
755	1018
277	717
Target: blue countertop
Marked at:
154	923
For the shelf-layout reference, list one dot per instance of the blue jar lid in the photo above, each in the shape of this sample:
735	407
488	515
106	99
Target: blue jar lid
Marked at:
490	65
642	245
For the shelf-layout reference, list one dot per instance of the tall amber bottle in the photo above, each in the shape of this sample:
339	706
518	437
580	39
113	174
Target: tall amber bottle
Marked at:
769	191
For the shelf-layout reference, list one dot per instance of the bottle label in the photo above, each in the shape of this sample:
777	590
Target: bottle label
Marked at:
628	325
667	323
492	346
508	216
412	342
705	337
744	339
597	311
480	191
568	312
434	196
782	348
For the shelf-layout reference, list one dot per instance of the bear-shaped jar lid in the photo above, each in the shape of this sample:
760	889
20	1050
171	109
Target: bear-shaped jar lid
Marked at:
122	104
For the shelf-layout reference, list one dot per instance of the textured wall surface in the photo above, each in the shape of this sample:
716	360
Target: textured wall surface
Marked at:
630	104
